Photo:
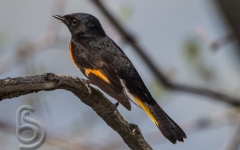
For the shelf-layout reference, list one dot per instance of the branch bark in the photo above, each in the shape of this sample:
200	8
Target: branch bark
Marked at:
130	133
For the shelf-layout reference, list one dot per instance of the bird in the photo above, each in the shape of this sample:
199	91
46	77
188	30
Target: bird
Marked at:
105	65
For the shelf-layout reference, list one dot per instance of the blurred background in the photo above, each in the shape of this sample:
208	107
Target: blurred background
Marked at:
188	40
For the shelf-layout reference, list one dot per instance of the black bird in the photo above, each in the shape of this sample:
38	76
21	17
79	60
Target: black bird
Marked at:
103	62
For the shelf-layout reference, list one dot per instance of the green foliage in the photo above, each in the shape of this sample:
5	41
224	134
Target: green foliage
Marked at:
194	54
192	51
125	13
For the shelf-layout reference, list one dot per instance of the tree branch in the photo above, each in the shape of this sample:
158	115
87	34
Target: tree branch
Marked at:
130	133
214	44
168	84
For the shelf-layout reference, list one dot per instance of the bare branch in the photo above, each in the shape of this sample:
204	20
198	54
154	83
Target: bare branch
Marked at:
130	133
214	44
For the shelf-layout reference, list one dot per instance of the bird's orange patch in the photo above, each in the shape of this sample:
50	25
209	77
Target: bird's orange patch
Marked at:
146	109
96	73
71	54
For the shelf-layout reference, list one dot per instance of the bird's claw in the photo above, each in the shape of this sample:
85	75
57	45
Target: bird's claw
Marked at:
116	104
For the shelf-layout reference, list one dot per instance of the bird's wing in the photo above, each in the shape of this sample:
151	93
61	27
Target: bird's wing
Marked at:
115	68
95	67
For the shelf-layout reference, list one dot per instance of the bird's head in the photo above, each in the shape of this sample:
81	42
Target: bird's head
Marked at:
81	24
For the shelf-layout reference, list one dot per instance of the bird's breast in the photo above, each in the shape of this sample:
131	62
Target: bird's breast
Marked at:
71	54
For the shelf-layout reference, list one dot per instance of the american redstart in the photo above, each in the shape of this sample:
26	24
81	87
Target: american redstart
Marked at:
103	62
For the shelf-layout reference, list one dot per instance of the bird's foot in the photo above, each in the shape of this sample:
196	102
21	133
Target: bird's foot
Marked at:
116	104
87	82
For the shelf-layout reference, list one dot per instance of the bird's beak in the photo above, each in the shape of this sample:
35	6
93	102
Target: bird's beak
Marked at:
58	17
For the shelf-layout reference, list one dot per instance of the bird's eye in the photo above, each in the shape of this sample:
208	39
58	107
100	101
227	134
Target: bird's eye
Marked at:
74	22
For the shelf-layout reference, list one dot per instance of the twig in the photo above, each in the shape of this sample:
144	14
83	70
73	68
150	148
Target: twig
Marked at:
157	72
130	133
214	44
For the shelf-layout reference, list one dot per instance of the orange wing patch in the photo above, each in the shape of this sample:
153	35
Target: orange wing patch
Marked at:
146	109
97	73
88	71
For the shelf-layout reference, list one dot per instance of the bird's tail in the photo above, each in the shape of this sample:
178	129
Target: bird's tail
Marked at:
165	124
